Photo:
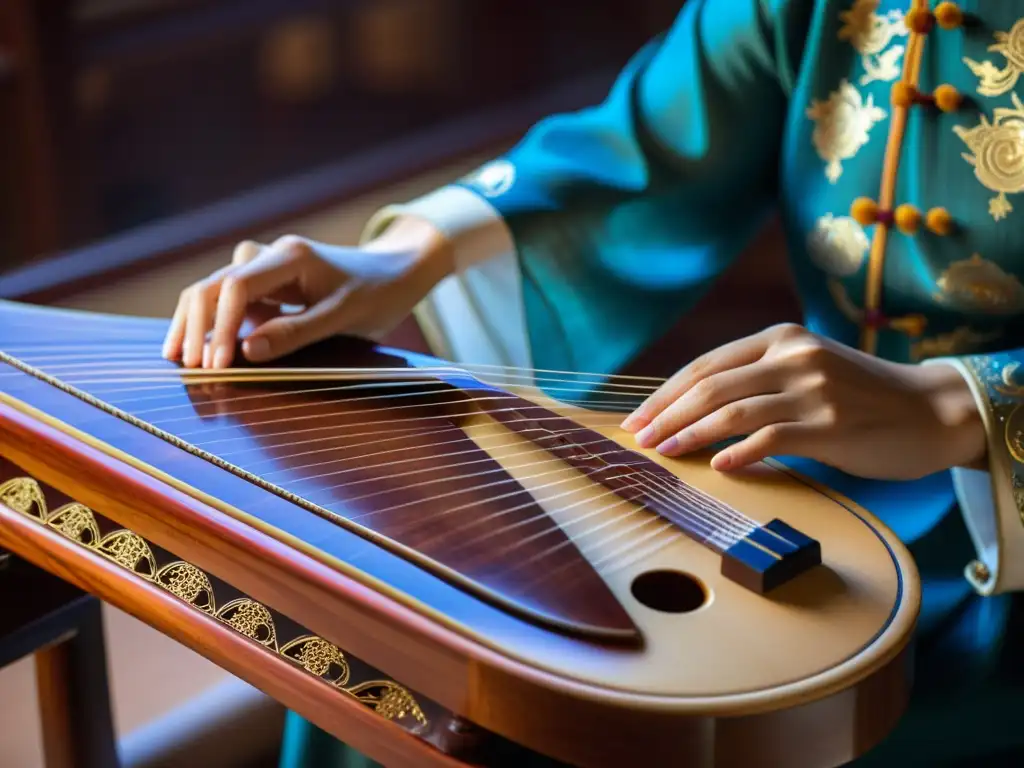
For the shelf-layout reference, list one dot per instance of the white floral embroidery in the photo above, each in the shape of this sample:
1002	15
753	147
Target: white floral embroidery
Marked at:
838	245
869	33
494	179
843	125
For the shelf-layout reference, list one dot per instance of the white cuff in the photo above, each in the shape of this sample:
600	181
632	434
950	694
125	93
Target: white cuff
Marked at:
475	316
474	227
989	508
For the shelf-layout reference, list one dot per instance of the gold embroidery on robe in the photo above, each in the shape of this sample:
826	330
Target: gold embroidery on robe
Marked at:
995	81
1007	384
869	33
979	285
838	245
962	341
997	154
1002	391
843	302
842	126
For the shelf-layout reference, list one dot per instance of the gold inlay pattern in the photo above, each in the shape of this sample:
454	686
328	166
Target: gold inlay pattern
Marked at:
192	586
997	154
994	80
843	124
869	33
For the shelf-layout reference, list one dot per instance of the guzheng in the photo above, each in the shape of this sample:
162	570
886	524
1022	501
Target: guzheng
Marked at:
445	564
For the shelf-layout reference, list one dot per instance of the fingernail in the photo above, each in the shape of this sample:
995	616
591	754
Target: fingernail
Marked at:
206	356
165	350
257	348
633	422
668	446
222	358
645	436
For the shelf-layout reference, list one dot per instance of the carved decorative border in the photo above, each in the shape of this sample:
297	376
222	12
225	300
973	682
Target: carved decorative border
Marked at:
194	587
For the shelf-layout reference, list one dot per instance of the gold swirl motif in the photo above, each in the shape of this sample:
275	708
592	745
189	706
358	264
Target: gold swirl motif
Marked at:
979	285
1014	433
1002	394
998	154
869	33
843	124
1007	383
192	586
994	81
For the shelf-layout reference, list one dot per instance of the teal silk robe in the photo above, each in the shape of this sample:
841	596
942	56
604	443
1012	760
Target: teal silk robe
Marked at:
602	228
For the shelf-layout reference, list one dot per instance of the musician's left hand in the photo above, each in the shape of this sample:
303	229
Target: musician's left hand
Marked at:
791	392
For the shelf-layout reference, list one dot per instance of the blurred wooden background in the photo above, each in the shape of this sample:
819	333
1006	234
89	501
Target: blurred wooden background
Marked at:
128	112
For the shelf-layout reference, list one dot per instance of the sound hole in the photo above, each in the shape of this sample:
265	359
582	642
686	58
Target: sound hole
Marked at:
669	591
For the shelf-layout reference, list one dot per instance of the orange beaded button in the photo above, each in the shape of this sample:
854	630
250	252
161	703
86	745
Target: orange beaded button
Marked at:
907	219
939	221
947	98
919	20
948	15
864	211
903	94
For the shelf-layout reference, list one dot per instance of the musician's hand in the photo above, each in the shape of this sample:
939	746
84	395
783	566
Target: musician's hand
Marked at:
364	291
787	391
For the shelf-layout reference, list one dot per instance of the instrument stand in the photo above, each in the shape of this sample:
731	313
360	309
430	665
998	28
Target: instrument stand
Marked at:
63	628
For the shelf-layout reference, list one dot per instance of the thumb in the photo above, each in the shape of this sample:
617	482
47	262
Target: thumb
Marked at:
288	333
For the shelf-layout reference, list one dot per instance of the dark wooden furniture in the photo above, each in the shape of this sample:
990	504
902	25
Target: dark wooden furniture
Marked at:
216	117
62	627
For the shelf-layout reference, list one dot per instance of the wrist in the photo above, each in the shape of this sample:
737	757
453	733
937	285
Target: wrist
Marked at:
430	253
962	435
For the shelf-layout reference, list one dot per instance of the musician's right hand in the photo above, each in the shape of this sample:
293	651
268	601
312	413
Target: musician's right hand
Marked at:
365	291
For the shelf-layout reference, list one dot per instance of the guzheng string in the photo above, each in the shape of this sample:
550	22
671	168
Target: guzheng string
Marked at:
690	500
720	524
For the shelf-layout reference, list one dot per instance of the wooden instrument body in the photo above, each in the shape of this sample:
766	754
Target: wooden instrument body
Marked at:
812	674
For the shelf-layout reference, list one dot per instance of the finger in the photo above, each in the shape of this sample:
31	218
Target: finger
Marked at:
785	439
245	251
732	355
249	250
246	285
199	317
287	333
707	396
742	417
176	332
